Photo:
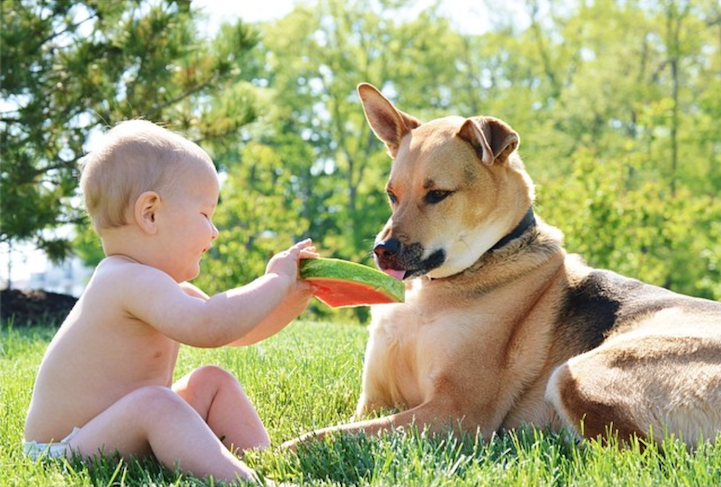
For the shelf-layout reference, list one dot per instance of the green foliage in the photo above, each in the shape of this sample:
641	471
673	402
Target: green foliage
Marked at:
307	377
70	68
616	102
670	240
258	197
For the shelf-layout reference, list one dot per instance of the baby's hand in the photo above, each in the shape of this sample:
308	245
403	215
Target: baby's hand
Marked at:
286	263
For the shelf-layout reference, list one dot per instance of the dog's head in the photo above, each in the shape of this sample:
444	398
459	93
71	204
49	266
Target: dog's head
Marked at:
456	188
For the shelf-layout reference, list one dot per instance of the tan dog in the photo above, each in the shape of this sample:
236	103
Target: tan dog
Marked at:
500	326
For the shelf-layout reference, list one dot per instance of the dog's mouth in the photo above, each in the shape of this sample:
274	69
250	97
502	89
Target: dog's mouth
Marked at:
398	274
407	264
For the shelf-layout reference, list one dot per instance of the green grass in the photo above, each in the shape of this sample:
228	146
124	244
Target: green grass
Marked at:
307	377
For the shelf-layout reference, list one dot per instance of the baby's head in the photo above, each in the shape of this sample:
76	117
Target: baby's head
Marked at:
134	157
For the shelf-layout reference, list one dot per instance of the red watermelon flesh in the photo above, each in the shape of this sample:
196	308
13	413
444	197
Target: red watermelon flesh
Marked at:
345	284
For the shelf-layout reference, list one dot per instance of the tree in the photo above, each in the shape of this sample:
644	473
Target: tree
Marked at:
312	61
587	84
617	105
316	57
70	69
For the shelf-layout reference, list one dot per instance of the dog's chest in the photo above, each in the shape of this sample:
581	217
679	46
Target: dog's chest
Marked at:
411	344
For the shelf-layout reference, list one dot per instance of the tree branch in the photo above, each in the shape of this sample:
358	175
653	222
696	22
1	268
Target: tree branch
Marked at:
151	113
59	33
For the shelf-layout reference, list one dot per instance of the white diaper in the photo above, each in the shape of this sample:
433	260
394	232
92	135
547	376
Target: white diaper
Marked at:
37	450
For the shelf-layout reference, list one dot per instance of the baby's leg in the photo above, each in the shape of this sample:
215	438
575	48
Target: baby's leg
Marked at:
219	399
155	420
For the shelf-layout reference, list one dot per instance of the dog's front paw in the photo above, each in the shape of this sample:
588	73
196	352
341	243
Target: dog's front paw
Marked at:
306	438
291	445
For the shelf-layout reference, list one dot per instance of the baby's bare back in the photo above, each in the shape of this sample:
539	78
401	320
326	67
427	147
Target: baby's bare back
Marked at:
99	354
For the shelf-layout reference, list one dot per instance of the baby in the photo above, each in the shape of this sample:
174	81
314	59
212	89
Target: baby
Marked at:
106	381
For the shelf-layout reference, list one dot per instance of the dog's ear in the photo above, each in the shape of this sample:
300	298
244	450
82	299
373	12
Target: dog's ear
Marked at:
387	122
494	140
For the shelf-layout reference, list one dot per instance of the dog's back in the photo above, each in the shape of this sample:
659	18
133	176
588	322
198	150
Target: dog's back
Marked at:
603	304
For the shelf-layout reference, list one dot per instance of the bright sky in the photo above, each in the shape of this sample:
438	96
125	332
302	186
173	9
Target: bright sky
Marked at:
249	11
467	15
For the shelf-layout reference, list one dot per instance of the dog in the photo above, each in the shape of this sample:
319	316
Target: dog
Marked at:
500	326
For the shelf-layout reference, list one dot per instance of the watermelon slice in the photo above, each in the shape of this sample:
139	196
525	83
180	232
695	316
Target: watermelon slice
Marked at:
345	284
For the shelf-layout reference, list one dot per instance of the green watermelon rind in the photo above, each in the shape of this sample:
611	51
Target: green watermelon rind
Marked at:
343	270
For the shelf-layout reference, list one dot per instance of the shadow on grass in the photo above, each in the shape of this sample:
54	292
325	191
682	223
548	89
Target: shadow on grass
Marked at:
112	470
409	456
525	456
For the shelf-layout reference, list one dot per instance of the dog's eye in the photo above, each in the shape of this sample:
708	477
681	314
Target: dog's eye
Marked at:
391	197
436	196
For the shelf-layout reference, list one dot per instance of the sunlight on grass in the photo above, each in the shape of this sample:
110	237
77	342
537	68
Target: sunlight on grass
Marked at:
308	377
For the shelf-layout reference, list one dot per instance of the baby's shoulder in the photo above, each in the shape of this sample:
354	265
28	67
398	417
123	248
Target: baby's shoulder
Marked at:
120	287
121	274
120	265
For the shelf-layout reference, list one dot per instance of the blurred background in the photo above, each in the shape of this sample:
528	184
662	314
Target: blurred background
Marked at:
617	103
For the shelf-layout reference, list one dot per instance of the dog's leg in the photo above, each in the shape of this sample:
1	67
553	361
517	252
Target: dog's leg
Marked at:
373	398
363	408
643	384
433	415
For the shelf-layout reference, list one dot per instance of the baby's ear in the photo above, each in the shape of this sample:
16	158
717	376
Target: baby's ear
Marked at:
144	212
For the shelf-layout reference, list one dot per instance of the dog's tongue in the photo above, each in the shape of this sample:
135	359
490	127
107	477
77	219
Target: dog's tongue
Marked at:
394	273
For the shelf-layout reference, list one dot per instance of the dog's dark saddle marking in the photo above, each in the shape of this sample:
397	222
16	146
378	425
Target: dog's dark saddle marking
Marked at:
605	301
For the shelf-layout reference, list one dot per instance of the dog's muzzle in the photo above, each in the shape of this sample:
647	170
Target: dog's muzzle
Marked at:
405	261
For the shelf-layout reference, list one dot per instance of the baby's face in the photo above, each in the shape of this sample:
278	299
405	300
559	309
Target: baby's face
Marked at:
185	223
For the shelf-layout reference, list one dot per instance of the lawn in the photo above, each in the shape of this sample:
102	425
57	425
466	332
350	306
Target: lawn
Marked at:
307	377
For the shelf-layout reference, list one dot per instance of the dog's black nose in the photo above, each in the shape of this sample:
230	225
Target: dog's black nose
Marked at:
387	248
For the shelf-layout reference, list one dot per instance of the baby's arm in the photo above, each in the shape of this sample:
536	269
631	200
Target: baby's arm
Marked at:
287	311
193	290
153	297
293	304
